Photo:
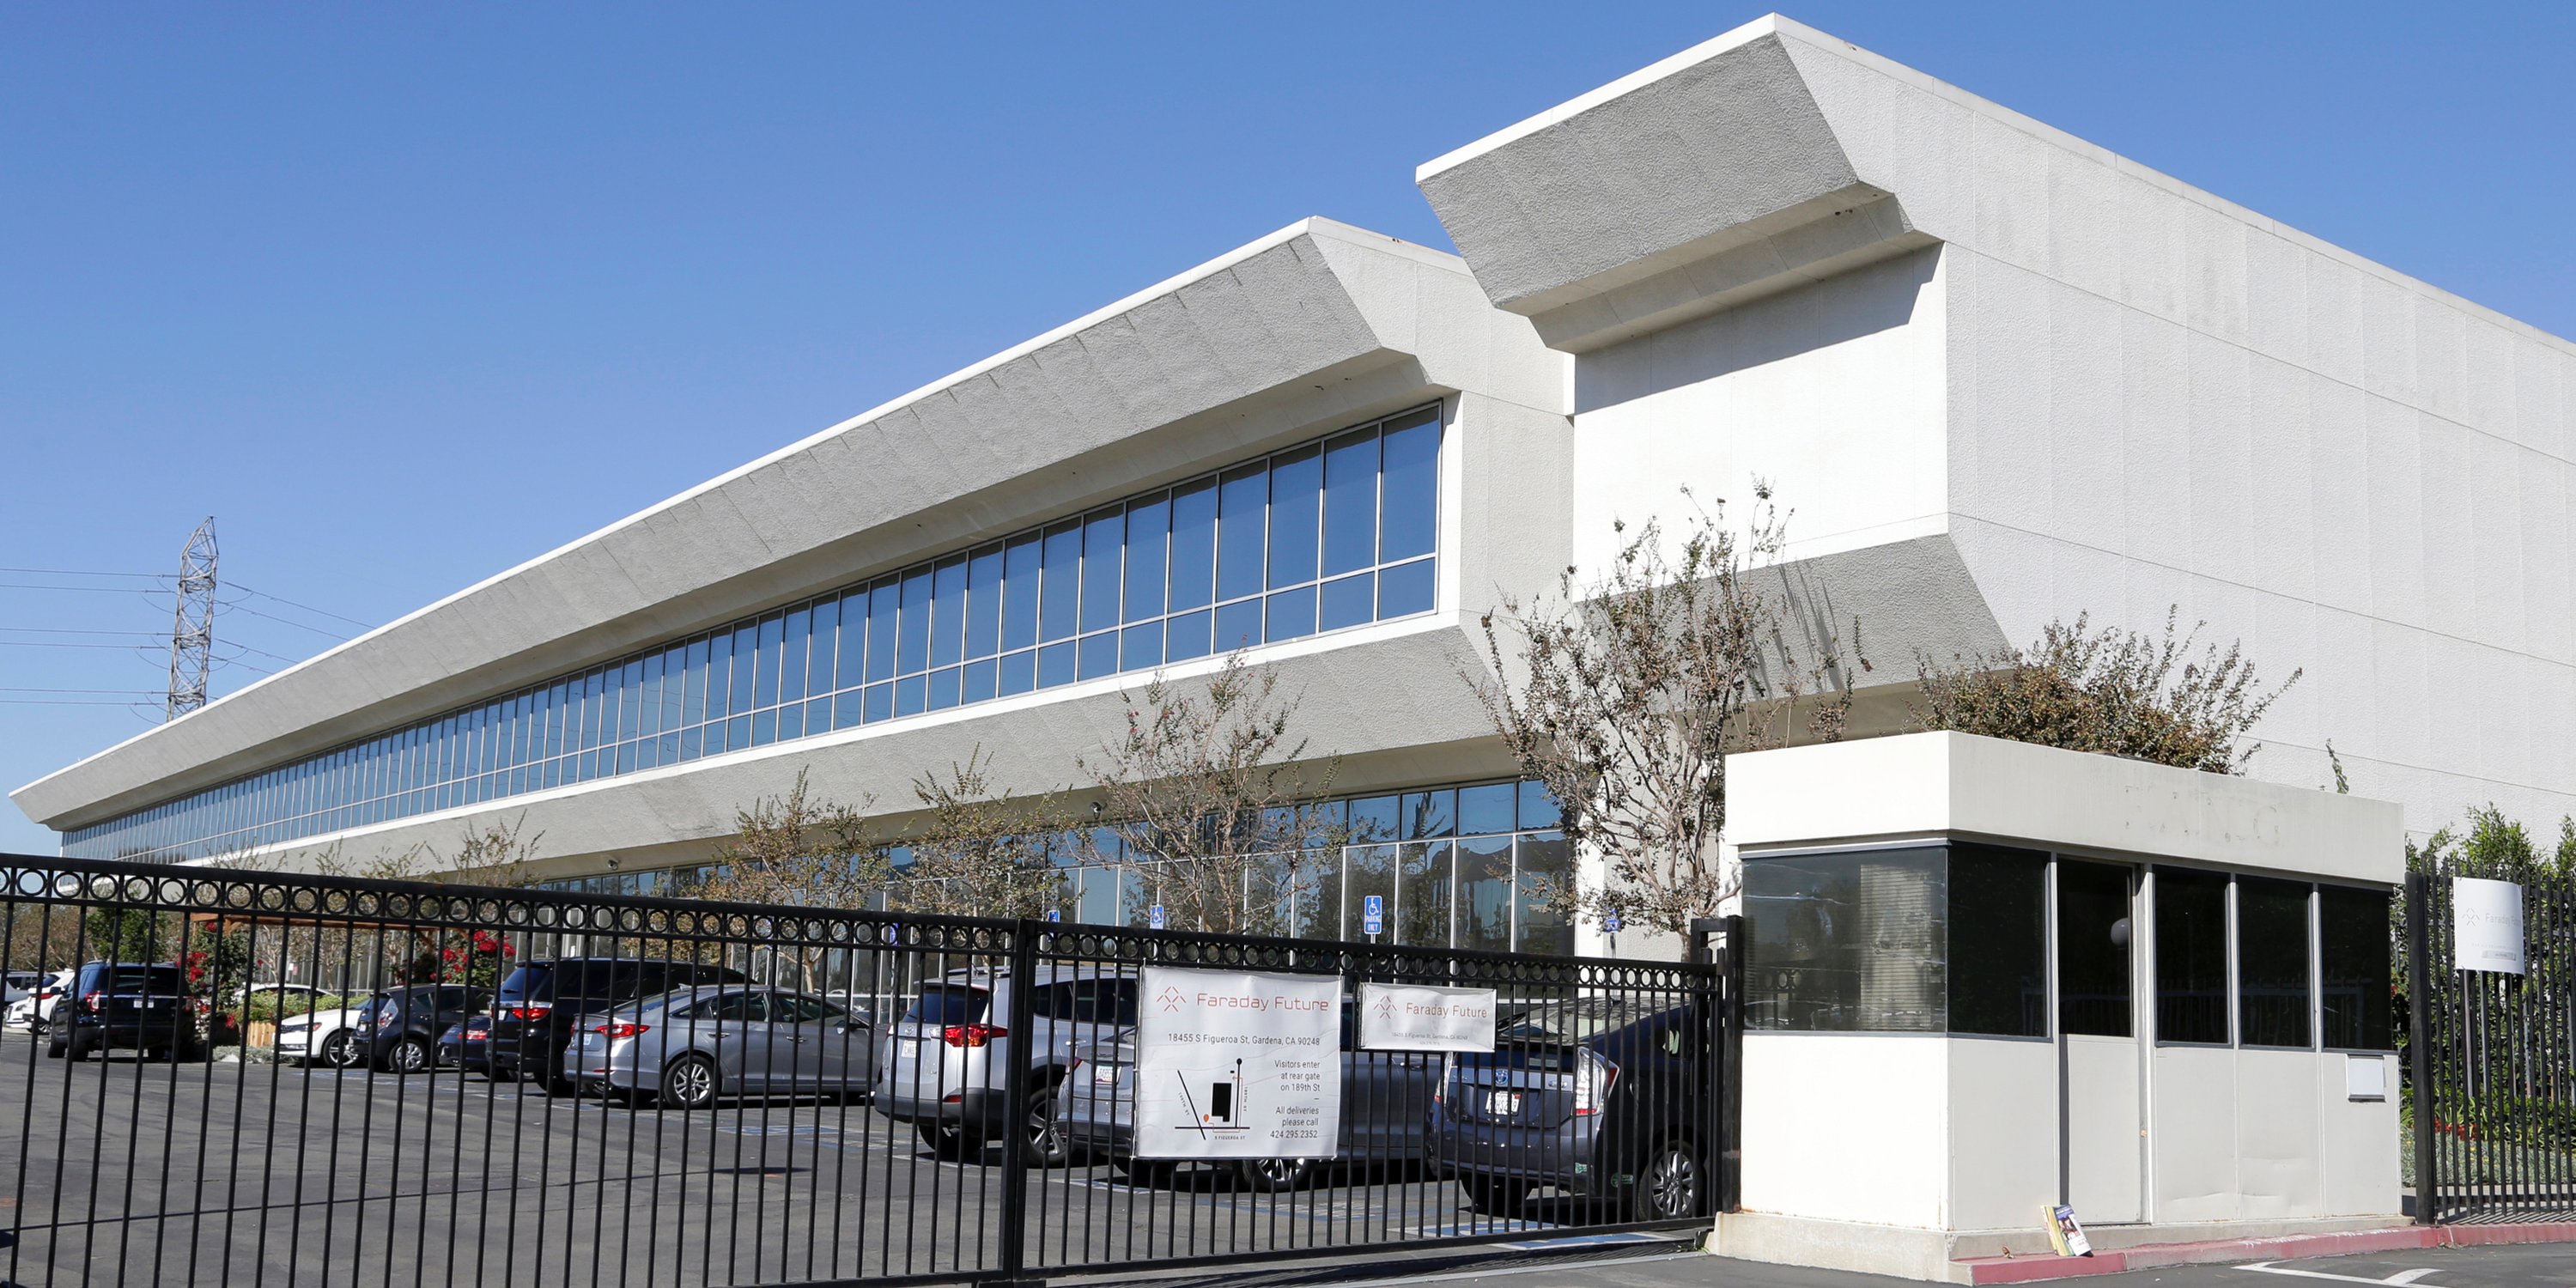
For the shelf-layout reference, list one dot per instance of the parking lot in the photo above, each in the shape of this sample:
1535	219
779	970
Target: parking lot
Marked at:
124	1171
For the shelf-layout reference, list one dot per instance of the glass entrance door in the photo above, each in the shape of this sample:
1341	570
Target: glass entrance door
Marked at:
2101	1139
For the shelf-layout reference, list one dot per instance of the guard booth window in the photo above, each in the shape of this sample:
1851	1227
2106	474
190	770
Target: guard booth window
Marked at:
1924	939
2272	962
2354	951
2191	956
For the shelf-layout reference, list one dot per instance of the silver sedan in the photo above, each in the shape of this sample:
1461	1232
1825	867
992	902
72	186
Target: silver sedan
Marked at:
689	1047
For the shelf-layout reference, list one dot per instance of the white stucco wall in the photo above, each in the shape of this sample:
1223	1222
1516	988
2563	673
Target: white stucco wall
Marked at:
1848	1127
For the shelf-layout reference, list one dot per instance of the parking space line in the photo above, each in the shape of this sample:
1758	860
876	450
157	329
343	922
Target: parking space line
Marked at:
2401	1277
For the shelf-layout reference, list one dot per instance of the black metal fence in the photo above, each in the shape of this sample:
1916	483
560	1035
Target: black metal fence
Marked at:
572	1089
2491	1059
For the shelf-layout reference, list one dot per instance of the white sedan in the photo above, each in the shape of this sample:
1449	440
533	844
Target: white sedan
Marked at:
323	1037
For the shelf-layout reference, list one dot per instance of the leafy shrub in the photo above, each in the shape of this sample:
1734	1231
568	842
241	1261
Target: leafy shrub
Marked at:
2122	693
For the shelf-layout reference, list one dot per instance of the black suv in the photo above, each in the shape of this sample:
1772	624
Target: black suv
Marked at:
398	1029
118	1004
532	1017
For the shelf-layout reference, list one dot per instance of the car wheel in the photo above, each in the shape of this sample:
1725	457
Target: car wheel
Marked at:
1143	1171
409	1056
1275	1175
339	1052
689	1083
1668	1188
54	1050
949	1142
1045	1134
1494	1195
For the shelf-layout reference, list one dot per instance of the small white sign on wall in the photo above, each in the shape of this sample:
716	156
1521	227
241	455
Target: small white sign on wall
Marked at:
2486	925
2365	1077
1415	1017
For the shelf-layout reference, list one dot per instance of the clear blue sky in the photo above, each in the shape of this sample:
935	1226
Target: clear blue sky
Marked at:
407	294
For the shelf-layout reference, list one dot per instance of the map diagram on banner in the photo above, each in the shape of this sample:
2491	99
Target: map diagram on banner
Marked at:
1238	1064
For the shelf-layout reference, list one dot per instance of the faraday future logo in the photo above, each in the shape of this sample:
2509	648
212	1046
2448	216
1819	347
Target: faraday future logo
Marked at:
1171	998
1386	1008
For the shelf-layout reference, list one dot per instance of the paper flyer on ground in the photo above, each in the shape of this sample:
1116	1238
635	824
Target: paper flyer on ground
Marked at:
1238	1064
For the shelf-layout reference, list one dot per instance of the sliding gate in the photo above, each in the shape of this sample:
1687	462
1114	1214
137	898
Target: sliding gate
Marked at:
552	1088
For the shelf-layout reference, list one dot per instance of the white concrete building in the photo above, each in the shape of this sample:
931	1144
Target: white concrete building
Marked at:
2003	376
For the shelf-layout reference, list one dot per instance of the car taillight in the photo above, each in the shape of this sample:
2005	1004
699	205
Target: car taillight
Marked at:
478	1035
972	1035
93	1001
530	1014
1448	1070
1593	1078
384	1019
622	1029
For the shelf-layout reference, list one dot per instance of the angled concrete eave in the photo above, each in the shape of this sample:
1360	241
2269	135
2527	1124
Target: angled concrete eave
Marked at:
1224	359
1705	180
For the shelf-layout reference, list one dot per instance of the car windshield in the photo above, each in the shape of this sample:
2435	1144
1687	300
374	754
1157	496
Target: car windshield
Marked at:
528	984
1569	1021
948	1004
133	979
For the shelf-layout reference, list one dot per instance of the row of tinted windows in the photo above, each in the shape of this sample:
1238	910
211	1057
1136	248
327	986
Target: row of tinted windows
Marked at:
1956	939
1328	535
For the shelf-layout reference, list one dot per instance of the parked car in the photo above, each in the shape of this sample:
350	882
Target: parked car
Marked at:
946	1066
283	994
397	1029
1599	1097
18	984
1385	1096
534	1014
687	1048
467	1045
36	1010
325	1037
140	1006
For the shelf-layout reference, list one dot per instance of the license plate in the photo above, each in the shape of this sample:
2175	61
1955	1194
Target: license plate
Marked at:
1104	1073
1502	1104
907	1047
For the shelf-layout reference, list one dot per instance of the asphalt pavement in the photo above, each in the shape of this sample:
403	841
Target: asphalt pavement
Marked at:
2539	1265
116	1171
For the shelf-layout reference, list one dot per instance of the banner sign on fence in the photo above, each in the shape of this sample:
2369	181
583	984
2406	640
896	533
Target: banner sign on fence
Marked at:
1237	1064
2486	925
1415	1017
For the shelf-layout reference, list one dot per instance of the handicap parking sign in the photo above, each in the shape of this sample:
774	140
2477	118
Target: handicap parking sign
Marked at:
1156	915
1612	923
1373	915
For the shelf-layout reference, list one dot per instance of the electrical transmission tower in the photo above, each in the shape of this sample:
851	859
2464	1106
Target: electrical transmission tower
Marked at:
192	630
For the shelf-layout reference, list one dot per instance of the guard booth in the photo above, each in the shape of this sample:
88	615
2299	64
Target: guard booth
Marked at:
1984	978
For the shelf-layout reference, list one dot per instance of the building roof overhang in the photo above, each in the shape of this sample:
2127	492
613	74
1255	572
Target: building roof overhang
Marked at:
1268	341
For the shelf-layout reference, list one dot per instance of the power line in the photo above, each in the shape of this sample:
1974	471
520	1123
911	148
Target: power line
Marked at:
364	626
68	630
145	692
81	572
54	644
237	607
95	590
66	702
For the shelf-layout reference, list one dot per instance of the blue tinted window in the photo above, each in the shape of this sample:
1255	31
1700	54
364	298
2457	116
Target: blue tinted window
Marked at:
1055	664
1187	636
1243	518
719	676
984	602
1238	625
1099	654
1062	581
943	689
1017	673
1350	502
1104	538
764	679
1148	527
912	642
948	612
1411	489
1193	544
884	607
1291	614
1296	480
799	632
827	643
1020	593
1486	809
1348	601
1406	588
849	670
1537	808
978	680
746	646
1140	647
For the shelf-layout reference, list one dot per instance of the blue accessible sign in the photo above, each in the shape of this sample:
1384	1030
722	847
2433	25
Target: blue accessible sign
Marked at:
1373	915
1155	917
1612	922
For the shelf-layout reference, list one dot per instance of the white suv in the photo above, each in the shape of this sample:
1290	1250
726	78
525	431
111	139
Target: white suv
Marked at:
945	1065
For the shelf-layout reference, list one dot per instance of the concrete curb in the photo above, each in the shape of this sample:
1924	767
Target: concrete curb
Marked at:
2014	1270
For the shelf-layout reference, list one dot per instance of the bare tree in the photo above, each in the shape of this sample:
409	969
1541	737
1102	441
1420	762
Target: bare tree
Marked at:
800	851
1624	695
1213	782
2121	693
979	854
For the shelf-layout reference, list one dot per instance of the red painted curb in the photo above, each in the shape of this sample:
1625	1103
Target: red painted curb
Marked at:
2296	1247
